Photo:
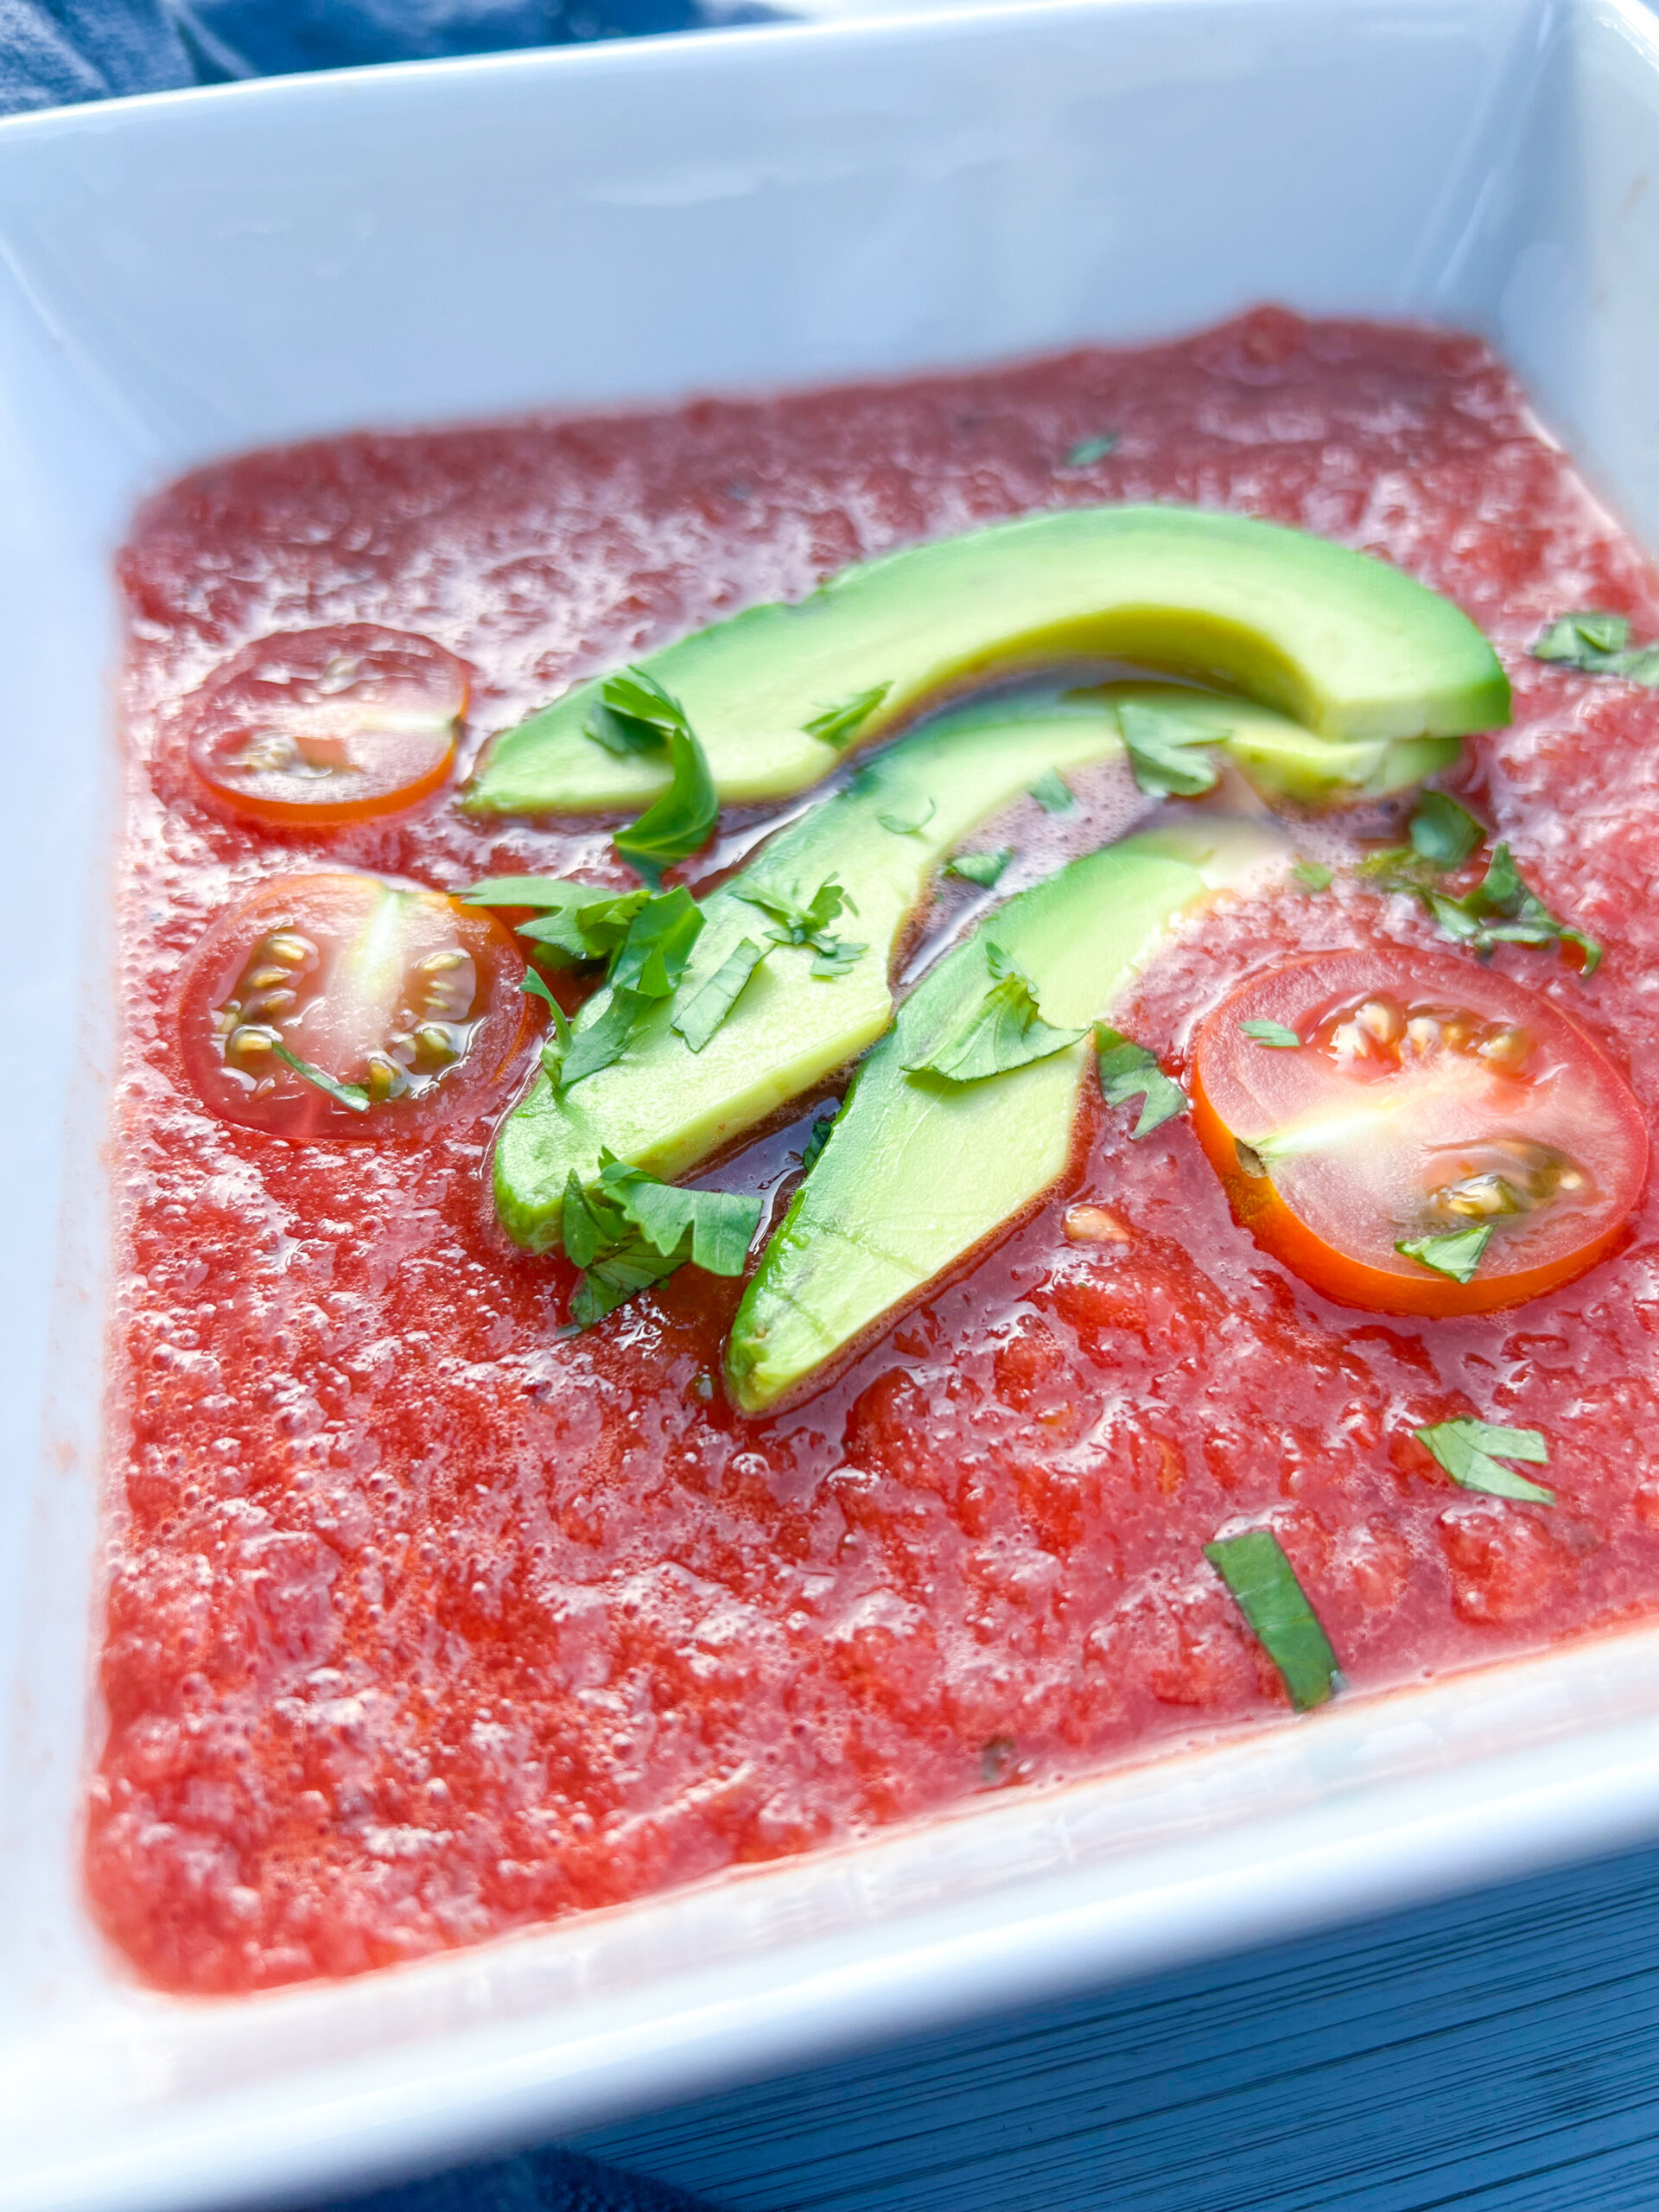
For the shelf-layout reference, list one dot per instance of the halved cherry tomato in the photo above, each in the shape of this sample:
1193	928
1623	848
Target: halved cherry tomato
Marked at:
314	728
1423	1099
334	1006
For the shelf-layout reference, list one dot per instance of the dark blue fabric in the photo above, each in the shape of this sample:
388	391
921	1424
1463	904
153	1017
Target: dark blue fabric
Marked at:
56	51
548	2181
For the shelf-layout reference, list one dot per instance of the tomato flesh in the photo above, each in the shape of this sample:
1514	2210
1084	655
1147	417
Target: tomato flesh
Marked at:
1422	1099
313	728
336	1006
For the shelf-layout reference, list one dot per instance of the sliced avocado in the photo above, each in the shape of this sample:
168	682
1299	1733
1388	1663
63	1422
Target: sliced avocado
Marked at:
918	1171
665	1108
1346	645
1284	763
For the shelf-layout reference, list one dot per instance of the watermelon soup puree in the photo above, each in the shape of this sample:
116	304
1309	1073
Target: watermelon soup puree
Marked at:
427	1620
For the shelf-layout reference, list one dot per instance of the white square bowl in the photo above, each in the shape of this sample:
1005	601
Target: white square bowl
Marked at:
195	273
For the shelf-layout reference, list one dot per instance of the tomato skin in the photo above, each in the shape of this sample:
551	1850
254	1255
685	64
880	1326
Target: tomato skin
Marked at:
328	916
314	729
1370	1273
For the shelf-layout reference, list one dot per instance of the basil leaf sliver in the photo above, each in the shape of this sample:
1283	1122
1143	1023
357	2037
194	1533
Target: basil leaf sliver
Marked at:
1272	1033
719	1223
652	956
1168	752
1458	1254
1264	1587
1444	832
1128	1071
1469	1451
603	1042
982	869
715	1001
841	721
1002	1029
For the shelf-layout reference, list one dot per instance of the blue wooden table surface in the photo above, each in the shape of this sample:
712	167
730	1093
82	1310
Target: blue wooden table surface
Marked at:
1499	2052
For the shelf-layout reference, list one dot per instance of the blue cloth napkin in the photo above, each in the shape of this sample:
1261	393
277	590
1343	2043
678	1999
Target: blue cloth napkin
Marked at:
541	2181
55	51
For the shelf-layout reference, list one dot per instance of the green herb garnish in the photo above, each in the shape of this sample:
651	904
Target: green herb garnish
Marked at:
636	715
907	821
1458	1254
1053	793
1501	909
1264	1587
1597	644
1128	1072
817	1137
349	1095
798	921
1444	832
1088	451
626	1231
577	922
982	869
1312	875
1165	750
1002	1029
715	1001
1271	1032
652	957
1469	1452
555	1047
841	723
602	1044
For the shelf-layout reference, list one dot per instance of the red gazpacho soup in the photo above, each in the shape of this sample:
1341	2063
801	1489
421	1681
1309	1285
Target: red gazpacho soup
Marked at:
748	1211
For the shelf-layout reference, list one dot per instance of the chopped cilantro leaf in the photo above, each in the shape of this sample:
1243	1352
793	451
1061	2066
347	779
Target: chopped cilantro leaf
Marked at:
1264	1587
604	1040
1128	1072
1597	644
1501	909
982	869
715	1000
1458	1254
799	921
836	957
905	821
637	715
1312	875
817	1136
652	957
1088	451
841	721
351	1095
1469	1452
626	1231
1051	793
1271	1032
555	1047
1165	750
579	922
1443	832
1002	1028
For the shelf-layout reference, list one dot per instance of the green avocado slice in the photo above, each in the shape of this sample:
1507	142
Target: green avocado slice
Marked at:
918	1171
665	1108
1346	645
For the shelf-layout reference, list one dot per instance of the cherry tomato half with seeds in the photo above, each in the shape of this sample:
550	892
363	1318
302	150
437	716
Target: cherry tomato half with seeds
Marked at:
1394	1098
313	728
336	1006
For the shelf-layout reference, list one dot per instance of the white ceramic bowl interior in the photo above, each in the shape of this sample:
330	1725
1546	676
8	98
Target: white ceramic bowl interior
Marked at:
191	274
